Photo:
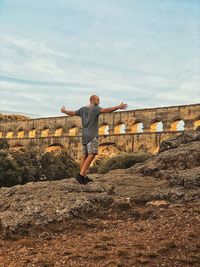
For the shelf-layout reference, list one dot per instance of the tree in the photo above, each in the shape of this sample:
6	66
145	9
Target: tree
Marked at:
9	172
58	166
28	163
4	143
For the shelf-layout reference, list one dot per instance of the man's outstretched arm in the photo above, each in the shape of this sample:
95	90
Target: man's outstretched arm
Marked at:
111	109
68	112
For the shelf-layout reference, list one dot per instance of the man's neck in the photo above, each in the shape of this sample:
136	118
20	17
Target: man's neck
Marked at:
90	105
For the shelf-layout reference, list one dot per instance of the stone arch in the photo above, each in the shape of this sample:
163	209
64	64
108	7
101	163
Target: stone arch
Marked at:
177	124
154	150
104	129
197	123
54	147
156	125
9	134
58	131
108	149
20	133
45	132
120	128
17	146
32	133
137	127
73	131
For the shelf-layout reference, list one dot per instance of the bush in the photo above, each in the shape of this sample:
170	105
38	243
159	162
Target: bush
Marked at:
23	166
9	172
29	167
122	161
94	167
4	144
58	166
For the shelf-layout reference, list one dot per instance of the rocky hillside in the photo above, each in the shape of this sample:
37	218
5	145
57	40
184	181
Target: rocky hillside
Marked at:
148	215
12	117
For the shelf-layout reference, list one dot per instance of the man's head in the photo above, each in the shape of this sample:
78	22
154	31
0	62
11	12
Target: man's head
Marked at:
94	99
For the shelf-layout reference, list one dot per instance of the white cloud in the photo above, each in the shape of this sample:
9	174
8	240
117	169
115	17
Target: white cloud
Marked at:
146	54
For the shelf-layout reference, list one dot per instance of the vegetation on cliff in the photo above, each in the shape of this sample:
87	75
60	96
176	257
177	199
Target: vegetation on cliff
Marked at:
25	165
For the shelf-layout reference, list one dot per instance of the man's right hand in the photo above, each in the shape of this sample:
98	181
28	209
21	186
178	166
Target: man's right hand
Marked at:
123	106
67	112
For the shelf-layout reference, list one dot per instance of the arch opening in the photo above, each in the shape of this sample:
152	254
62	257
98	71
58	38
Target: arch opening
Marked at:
45	133
197	125
154	150
17	147
120	129
20	134
104	129
178	125
32	133
9	134
156	126
137	128
73	131
54	148
106	150
58	132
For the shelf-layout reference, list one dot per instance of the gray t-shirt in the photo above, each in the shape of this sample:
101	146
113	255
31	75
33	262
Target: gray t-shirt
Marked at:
90	120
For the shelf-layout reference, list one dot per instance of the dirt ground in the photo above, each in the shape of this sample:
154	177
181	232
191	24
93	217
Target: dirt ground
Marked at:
151	235
148	215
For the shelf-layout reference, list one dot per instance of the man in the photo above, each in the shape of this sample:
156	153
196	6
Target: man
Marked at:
90	118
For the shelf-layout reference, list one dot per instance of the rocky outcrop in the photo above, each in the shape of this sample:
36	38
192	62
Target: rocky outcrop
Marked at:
45	202
179	164
184	138
171	176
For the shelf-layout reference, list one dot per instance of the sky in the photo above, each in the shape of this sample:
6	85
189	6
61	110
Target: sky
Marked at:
54	53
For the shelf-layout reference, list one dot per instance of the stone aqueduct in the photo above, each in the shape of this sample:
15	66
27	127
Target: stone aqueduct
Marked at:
131	131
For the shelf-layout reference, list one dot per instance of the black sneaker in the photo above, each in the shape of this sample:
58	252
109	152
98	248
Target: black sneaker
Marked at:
89	180
81	179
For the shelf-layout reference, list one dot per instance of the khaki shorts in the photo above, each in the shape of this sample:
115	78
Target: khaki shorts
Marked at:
91	147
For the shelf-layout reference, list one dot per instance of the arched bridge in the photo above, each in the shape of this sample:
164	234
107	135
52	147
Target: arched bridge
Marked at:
133	130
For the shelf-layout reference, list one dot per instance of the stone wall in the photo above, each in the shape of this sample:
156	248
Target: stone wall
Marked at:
133	130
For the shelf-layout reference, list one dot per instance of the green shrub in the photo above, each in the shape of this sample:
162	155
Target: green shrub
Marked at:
94	167
9	171
25	165
122	161
28	162
58	166
4	144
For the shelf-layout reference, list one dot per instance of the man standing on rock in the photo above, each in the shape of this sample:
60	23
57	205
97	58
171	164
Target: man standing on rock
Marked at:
90	118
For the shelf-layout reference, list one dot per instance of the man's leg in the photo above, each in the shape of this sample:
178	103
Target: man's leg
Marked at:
84	155
92	150
88	154
83	158
86	164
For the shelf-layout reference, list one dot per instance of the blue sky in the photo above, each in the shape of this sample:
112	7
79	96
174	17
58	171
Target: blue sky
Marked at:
54	53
